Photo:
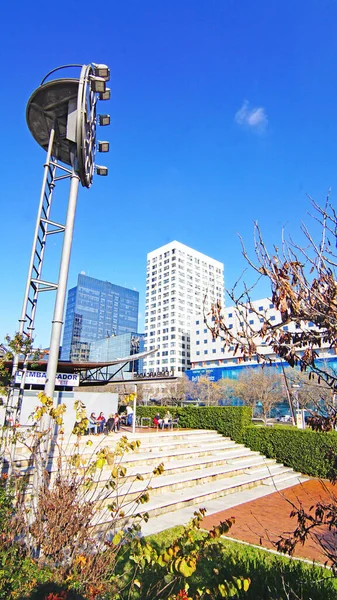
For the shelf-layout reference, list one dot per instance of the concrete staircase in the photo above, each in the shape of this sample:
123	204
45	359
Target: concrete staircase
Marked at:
201	469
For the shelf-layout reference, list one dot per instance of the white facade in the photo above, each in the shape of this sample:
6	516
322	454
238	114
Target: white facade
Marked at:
178	282
206	352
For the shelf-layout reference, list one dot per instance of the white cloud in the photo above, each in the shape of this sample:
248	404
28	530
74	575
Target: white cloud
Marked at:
255	118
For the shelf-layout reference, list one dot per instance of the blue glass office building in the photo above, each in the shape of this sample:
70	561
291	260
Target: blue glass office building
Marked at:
95	310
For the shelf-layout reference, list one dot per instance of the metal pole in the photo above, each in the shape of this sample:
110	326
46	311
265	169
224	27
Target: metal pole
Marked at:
291	406
134	410
61	290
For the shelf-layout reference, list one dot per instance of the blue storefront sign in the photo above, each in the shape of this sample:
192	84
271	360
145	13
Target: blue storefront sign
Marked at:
233	372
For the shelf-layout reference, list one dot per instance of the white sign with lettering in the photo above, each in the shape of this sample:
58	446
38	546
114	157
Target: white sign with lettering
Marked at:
39	378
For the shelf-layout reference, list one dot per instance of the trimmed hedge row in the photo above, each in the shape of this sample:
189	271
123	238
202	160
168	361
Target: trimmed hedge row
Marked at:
228	420
305	451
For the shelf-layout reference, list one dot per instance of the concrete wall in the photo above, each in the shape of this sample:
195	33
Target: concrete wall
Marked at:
97	402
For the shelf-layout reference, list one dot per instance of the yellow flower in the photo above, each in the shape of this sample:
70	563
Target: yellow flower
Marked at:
80	560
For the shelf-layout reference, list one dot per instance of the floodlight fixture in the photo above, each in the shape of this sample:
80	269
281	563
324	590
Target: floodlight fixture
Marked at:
98	84
102	71
102	171
103	146
105	95
104	120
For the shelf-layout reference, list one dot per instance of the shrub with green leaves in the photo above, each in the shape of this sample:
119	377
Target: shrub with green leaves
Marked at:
306	451
231	421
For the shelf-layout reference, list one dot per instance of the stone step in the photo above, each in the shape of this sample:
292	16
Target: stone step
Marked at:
180	465
177	465
176	517
154	442
153	457
198	494
145	438
167	455
290	475
164	484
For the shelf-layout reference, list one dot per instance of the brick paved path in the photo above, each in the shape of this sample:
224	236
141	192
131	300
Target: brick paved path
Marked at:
269	517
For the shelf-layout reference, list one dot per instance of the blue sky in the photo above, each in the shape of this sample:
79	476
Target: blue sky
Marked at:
222	113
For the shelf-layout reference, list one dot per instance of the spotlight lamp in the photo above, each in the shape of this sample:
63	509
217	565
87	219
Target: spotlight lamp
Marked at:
106	94
104	120
102	171
103	146
98	85
102	71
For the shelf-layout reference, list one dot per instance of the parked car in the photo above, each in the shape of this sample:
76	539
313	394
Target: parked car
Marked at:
284	419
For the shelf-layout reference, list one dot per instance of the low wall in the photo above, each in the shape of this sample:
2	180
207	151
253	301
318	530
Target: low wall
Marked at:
96	402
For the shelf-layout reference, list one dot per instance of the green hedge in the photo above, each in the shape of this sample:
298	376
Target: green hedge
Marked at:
305	451
228	420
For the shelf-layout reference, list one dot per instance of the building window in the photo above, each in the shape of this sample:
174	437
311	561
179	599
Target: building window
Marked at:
205	351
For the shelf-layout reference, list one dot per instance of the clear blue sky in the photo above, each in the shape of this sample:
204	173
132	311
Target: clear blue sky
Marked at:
223	112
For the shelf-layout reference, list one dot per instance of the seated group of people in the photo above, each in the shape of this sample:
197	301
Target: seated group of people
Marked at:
99	424
165	421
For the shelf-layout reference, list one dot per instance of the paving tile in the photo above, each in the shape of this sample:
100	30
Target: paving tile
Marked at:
261	521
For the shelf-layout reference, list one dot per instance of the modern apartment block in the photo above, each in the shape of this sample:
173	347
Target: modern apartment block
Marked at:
180	284
95	310
208	355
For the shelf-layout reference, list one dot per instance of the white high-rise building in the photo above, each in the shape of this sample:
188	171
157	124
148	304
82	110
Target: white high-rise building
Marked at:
180	284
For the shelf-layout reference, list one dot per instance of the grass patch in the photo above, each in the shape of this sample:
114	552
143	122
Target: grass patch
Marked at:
272	577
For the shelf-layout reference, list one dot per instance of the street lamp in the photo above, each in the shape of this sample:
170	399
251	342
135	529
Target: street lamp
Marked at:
61	116
134	350
300	422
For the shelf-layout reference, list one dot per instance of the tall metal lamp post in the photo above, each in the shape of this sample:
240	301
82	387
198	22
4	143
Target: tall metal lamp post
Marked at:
134	349
61	116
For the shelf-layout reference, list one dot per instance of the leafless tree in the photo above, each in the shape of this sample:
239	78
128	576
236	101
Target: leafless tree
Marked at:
175	393
260	386
302	278
303	288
